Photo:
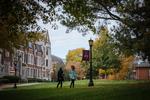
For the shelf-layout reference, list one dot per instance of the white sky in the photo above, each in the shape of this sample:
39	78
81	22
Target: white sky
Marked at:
62	42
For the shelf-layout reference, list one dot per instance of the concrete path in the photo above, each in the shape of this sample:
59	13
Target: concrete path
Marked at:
11	85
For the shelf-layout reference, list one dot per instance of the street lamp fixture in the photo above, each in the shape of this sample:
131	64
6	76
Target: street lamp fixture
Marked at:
90	42
91	80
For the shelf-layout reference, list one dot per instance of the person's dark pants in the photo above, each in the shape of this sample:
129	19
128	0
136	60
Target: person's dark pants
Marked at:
72	83
59	82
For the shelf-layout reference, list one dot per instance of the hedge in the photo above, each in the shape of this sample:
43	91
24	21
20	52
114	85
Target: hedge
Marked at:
10	79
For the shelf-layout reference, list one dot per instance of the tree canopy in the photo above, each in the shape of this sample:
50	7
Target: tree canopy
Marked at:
131	19
105	54
18	19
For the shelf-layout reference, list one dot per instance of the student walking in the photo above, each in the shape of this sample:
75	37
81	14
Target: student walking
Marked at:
60	78
73	76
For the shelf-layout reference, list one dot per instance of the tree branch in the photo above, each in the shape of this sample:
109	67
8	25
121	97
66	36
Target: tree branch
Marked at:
106	18
114	17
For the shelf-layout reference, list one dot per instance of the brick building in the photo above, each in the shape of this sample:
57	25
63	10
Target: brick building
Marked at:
32	62
141	69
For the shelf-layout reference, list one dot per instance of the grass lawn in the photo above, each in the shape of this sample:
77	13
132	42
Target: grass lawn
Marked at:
103	90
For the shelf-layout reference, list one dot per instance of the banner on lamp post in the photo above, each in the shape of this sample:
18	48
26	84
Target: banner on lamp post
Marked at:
85	56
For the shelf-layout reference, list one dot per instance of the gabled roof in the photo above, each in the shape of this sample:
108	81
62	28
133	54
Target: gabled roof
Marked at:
47	37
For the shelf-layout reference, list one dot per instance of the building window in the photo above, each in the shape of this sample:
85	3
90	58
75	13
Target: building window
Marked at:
42	61
22	56
46	50
28	58
39	47
39	61
30	45
31	73
39	73
0	59
7	54
25	58
31	59
27	71
35	60
47	62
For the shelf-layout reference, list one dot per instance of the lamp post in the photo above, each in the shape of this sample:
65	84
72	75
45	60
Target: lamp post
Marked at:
19	67
15	67
91	80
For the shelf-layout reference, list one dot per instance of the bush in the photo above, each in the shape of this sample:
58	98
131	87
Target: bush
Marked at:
37	80
2	80
23	81
12	79
32	80
40	80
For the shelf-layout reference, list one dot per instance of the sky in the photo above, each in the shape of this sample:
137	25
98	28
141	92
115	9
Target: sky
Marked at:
62	42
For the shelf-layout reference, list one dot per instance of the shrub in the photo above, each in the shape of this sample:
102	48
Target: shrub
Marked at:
2	80
12	79
37	80
23	81
32	80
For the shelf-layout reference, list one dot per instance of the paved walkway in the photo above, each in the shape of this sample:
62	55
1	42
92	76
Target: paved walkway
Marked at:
11	85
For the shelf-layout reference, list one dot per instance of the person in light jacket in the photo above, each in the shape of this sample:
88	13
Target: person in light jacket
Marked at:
72	75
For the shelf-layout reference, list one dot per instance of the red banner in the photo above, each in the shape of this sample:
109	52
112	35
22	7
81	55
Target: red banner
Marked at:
85	56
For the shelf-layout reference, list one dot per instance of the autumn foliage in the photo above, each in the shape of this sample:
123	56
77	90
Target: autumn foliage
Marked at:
126	64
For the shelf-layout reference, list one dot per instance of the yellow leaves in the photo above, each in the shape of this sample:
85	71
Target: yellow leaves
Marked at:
125	65
126	61
75	55
102	39
101	71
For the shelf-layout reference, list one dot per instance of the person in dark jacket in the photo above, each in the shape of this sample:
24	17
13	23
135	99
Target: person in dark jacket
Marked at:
60	78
